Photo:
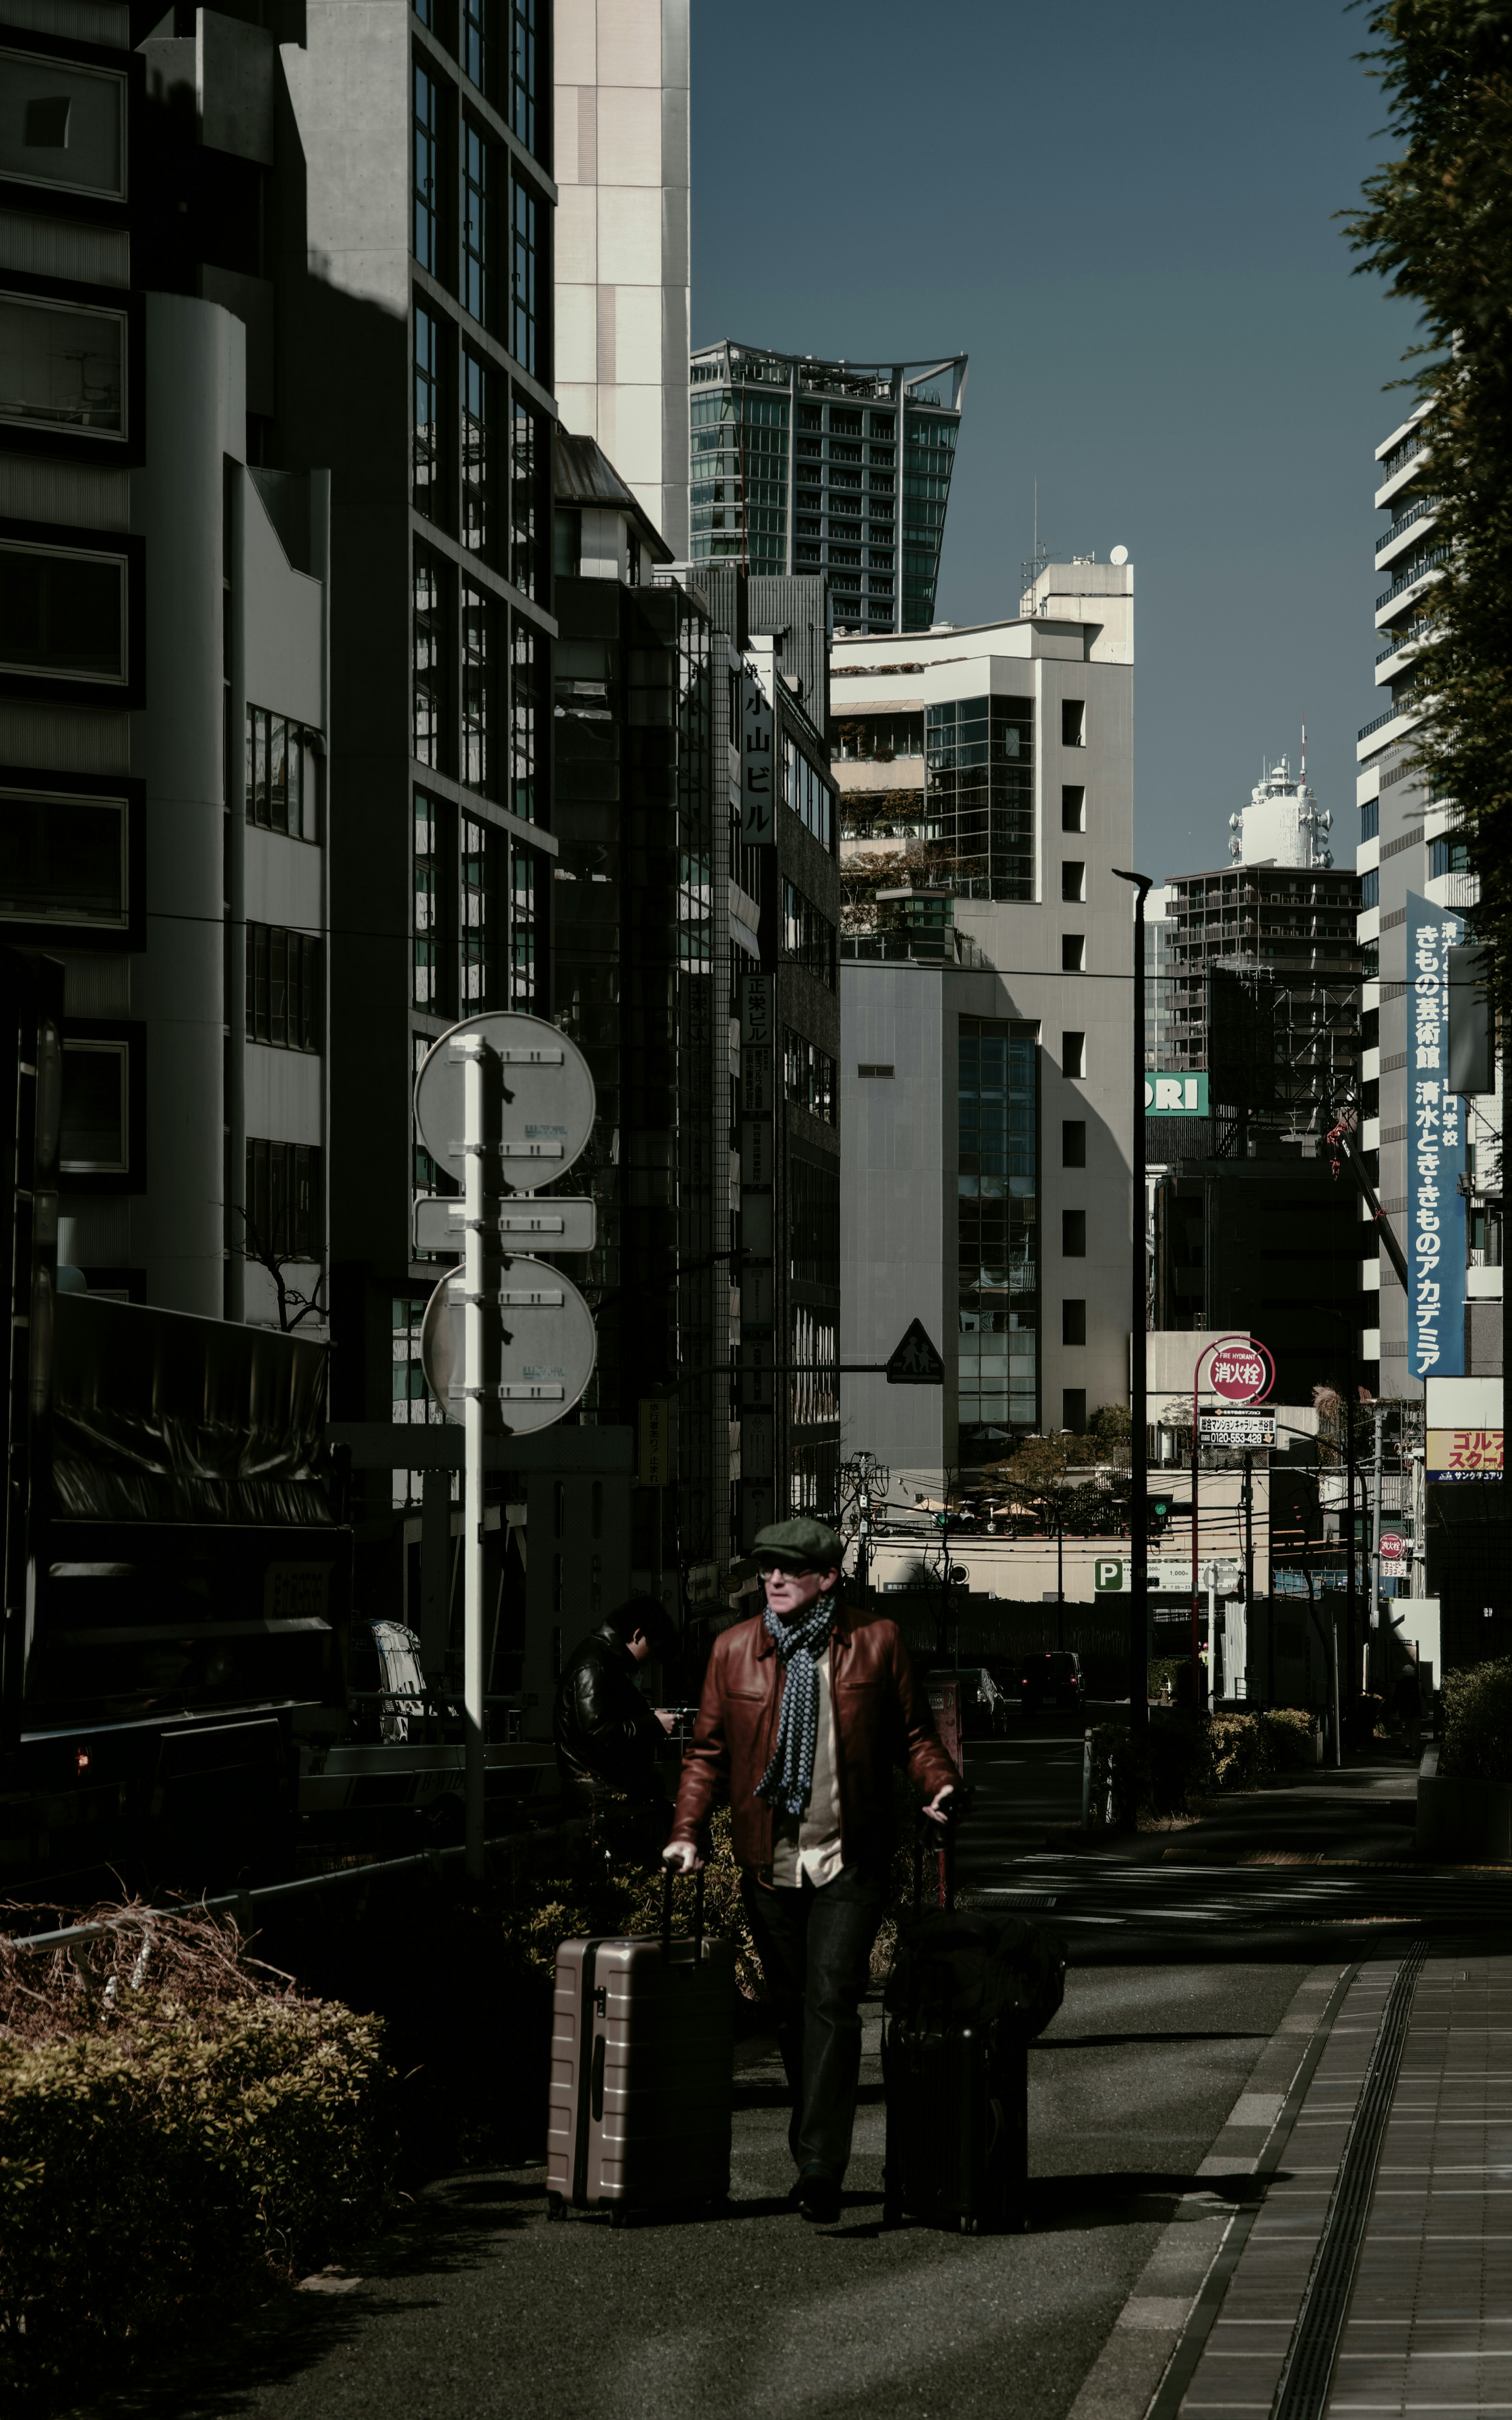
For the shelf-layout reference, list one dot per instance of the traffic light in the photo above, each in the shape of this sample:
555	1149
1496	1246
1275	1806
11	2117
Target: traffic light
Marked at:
942	1520
1159	1513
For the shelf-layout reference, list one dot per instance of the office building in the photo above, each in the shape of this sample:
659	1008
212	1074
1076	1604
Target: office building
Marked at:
1412	862
622	264
800	465
165	752
986	1097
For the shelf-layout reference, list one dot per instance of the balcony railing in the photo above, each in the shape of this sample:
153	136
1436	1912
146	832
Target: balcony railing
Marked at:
1418	571
1398	708
1397	460
1424	505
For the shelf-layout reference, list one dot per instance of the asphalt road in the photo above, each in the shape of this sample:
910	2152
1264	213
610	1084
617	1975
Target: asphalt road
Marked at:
477	2306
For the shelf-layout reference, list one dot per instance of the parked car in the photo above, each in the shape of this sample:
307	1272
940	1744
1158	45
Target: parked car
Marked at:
1050	1680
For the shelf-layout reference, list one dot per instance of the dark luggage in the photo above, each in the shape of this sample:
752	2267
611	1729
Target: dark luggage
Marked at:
642	2051
966	1995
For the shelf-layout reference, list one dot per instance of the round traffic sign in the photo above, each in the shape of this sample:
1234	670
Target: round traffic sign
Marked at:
1392	1545
1241	1371
539	1346
540	1109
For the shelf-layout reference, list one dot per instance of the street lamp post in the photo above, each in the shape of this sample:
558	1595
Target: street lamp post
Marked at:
1138	1358
1217	1345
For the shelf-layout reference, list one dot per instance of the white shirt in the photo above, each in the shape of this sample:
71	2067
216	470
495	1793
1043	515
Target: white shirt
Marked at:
808	1846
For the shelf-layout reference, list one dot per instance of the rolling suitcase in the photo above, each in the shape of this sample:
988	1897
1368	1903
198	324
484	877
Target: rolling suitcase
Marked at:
643	2052
955	2064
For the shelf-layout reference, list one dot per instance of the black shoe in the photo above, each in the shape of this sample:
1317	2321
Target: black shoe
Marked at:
818	2195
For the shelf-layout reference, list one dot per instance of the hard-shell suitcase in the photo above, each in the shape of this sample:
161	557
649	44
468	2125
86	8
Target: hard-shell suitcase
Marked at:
957	2096
642	2059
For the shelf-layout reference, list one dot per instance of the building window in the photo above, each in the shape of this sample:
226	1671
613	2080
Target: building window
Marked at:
807	936
429	661
1369	819
284	981
522	324
979	798
813	1224
427	136
1370	888
431	870
63	861
476	196
1073	807
481	849
996	1231
70	123
63	615
284	1208
525	718
873	1067
280	774
525	873
1444	857
477	678
808	793
1072	1322
477	486
522	73
474	45
1072	952
428	417
1073	722
814	1388
94	1136
62	367
1072	879
1074	1055
809	1077
1073	1410
1074	1234
1073	1142
526	455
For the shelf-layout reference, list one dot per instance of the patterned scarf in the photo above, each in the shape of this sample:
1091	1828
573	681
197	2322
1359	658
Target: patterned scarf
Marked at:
788	1780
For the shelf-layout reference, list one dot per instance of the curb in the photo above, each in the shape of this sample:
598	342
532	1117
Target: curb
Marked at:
1157	2338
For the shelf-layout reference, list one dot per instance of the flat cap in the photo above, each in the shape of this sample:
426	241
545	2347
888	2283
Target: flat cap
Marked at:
802	1544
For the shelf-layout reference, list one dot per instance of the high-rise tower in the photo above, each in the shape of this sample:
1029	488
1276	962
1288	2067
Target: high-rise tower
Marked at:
798	465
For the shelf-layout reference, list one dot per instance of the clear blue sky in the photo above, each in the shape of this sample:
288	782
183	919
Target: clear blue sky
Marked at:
1126	215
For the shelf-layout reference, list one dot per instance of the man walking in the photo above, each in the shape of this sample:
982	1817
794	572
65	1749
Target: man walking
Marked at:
807	1711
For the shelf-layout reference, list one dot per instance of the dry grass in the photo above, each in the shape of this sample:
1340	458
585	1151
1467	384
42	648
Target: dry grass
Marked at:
196	1959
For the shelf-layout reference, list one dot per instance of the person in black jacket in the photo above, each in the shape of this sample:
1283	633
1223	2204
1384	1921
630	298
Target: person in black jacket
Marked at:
607	1736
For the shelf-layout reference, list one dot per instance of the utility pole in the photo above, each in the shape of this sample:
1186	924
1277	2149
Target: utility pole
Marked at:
1249	1564
1350	1592
1138	1323
1375	1527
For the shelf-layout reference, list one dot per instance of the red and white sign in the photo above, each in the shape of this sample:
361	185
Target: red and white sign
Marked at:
1393	1547
1239	1373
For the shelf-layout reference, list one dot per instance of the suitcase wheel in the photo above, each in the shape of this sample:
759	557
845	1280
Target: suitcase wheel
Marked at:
969	2226
555	2206
619	2215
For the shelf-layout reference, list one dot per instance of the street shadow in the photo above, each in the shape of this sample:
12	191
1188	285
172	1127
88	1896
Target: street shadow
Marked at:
1119	2041
1126	2196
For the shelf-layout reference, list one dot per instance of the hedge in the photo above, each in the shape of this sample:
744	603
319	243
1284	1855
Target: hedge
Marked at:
1187	1759
1477	1723
170	2161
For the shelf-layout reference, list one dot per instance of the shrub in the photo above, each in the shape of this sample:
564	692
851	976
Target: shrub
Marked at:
1166	1672
1288	1737
1177	1761
173	2162
1236	1752
1477	1723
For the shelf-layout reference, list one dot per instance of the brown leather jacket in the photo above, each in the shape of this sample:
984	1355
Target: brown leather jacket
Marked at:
881	1721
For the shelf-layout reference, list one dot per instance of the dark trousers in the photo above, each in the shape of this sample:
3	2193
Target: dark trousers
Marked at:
815	1949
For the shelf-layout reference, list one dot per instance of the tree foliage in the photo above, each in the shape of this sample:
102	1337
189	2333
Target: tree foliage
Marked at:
1436	223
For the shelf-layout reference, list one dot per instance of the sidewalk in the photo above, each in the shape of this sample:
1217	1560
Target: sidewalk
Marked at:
1368	2268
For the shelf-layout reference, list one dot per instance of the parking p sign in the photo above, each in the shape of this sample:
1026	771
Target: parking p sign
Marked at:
1110	1576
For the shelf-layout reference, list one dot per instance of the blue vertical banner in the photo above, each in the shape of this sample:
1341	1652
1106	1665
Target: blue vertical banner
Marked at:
1435	1150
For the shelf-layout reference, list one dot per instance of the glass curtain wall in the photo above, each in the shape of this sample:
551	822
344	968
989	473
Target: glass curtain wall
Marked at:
997	1234
979	795
740	479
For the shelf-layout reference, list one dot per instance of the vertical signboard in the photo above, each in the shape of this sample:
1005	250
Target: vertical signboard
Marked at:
1435	1150
757	765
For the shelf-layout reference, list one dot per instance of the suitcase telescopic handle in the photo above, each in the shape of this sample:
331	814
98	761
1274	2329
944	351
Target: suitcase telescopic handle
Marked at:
667	1880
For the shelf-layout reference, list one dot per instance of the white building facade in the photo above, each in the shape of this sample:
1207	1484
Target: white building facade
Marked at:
621	271
987	1071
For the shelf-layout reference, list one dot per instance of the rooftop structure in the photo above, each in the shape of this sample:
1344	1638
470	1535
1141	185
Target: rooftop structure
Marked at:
1282	824
798	465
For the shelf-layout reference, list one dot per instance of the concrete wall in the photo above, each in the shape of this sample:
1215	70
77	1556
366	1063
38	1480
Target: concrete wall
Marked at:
622	279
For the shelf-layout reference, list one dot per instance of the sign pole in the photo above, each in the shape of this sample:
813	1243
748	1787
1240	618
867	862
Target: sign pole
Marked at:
1138	1359
474	1054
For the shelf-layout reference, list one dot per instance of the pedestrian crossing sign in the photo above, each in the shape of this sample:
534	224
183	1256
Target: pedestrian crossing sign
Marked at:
916	1361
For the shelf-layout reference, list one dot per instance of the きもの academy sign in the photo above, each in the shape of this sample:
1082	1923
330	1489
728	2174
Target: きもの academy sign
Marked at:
1435	1152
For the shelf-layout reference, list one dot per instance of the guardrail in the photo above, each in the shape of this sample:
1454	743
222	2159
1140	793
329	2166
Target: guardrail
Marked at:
243	1904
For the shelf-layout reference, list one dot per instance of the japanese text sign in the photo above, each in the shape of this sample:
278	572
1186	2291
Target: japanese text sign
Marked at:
1435	1152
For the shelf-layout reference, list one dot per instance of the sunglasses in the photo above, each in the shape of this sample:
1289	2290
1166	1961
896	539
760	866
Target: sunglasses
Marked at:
770	1568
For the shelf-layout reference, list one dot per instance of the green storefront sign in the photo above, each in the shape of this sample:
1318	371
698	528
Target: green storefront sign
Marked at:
1183	1095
